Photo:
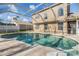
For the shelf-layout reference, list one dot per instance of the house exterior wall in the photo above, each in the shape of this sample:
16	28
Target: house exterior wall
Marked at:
15	28
65	9
50	15
40	29
23	27
52	19
52	27
8	28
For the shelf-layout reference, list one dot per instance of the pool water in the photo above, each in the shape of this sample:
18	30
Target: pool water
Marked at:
43	39
25	37
46	40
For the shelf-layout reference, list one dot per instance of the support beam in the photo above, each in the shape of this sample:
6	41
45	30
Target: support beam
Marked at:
22	7
41	17
34	20
55	17
19	14
7	3
36	7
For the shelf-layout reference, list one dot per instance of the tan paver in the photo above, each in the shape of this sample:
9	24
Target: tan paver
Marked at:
12	47
38	51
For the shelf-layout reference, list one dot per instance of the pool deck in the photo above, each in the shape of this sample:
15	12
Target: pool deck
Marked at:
10	47
18	48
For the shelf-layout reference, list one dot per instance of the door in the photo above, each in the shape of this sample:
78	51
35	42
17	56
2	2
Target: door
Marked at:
77	31
72	27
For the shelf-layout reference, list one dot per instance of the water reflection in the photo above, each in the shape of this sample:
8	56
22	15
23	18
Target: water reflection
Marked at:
43	39
30	38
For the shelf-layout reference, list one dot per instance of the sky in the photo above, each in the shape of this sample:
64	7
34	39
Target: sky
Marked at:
21	8
26	9
74	7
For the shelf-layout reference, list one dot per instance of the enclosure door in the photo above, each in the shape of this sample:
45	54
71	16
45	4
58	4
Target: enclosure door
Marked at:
77	28
72	27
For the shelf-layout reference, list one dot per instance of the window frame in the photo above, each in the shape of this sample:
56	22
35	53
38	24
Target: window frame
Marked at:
60	12
60	25
45	26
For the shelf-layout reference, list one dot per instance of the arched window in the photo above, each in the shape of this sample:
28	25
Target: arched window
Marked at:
60	12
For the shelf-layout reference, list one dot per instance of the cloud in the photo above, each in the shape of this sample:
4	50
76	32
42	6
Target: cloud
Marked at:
9	17
13	8
32	7
26	19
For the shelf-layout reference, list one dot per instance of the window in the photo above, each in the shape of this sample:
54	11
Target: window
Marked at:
36	26
45	15
60	25
46	26
14	18
60	12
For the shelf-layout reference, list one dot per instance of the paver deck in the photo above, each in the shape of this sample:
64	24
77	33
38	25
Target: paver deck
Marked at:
39	51
11	47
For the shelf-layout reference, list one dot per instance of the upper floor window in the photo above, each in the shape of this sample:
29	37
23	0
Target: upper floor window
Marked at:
60	12
45	16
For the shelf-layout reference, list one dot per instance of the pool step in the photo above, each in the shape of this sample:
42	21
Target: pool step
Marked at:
24	52
36	51
15	50
8	44
12	47
21	50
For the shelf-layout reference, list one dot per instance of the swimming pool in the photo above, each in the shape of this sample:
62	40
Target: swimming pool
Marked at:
48	40
43	39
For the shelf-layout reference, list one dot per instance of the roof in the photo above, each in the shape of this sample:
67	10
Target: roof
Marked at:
22	22
1	23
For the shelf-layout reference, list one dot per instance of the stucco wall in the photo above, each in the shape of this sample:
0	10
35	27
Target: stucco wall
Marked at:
52	16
